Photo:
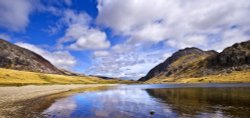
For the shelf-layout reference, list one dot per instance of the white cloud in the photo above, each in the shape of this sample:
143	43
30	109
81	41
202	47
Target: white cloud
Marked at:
189	41
80	35
154	32
121	48
166	55
15	13
174	21
125	60
53	29
49	9
124	17
101	53
61	59
229	37
70	17
85	38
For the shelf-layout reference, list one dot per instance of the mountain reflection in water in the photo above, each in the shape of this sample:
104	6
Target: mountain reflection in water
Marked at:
220	102
165	102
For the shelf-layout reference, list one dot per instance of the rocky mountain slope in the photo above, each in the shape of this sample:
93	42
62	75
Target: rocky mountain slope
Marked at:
18	58
193	62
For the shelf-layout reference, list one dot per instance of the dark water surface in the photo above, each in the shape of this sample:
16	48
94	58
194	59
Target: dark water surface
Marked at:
166	100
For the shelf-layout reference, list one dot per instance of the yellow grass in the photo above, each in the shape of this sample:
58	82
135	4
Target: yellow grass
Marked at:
15	77
234	77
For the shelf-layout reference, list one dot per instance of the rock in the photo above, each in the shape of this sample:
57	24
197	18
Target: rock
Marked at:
234	56
229	71
152	112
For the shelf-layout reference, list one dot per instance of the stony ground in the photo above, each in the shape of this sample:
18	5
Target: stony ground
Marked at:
9	96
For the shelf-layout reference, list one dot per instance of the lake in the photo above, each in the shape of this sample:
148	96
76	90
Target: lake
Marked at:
157	101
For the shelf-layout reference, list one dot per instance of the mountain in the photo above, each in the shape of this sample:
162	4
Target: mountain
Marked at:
236	56
194	62
67	72
18	58
104	77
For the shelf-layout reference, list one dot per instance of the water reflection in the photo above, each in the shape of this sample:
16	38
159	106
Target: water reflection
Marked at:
213	102
112	103
166	102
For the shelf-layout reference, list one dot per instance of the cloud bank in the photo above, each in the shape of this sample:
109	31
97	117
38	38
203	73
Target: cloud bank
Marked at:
207	24
61	59
15	14
180	23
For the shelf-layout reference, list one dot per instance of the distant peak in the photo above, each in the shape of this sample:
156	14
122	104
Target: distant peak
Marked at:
187	51
191	49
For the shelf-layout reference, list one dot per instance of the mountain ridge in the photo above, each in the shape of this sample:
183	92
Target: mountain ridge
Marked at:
18	58
194	62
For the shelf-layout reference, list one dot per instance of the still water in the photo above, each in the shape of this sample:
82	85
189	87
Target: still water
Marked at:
163	101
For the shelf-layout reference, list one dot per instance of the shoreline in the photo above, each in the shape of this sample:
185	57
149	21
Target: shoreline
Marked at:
28	100
32	100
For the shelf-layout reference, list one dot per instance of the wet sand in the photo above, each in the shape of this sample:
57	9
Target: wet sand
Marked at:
11	97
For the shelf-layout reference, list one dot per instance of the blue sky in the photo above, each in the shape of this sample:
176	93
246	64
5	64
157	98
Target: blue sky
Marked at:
120	38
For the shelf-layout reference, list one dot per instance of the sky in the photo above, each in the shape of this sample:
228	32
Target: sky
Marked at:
121	38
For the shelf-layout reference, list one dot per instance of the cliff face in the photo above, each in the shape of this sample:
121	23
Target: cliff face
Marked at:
15	57
193	62
234	56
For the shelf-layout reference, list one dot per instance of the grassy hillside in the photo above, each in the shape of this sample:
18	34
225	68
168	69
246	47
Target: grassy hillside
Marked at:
15	77
192	65
234	77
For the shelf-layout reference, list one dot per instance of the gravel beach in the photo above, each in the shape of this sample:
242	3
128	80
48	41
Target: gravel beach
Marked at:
11	95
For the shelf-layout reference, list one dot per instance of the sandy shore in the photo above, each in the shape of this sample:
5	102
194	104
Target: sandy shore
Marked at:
11	95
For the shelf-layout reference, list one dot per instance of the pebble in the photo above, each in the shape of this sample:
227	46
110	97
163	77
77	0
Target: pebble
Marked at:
152	112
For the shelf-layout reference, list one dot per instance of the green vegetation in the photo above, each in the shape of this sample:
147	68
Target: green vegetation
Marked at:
15	77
